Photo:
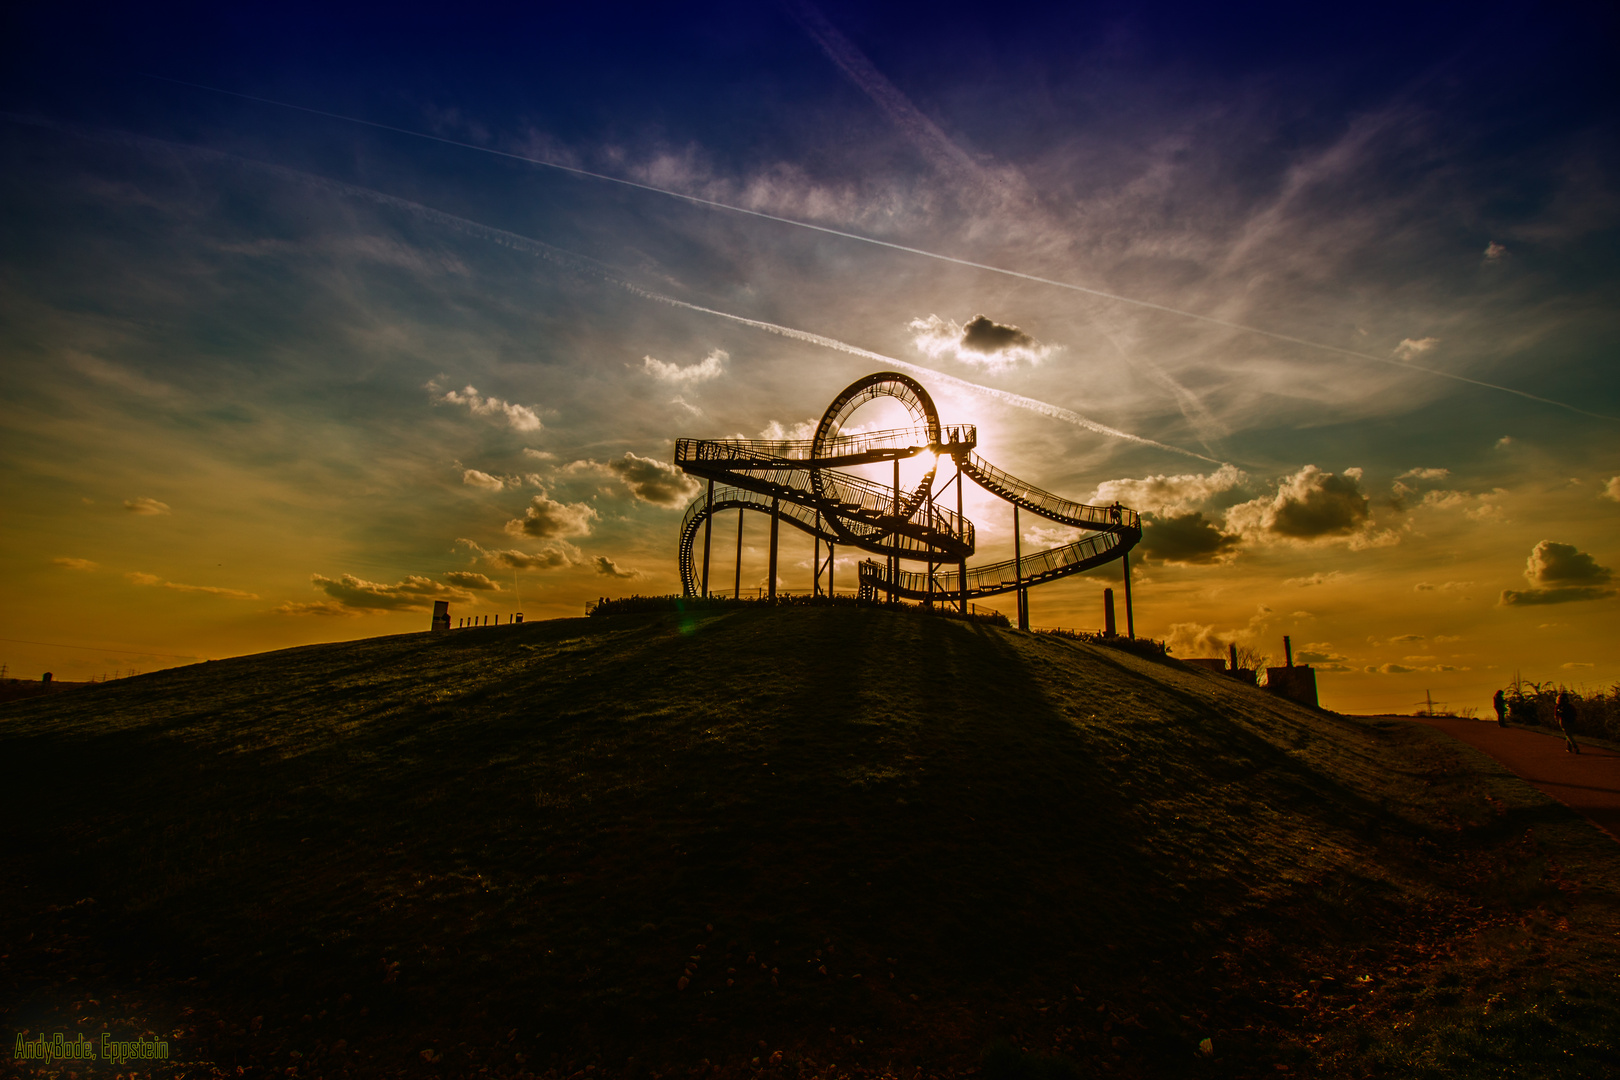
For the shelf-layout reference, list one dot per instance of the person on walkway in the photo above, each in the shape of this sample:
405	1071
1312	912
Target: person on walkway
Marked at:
1564	713
1499	703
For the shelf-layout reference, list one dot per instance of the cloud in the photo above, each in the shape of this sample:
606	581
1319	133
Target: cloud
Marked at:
1309	505
1388	669
1319	652
518	417
1449	586
554	556
981	342
1410	348
1575	664
609	568
1168	494
1504	442
546	519
1568	574
1318	578
1402	638
477	479
1611	490
539	455
1194	639
415	593
70	563
466	579
1494	251
146	507
710	367
138	578
1189	539
1424	474
800	432
653	481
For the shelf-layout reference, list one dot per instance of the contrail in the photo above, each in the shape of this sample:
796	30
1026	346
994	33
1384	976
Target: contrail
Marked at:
857	237
580	263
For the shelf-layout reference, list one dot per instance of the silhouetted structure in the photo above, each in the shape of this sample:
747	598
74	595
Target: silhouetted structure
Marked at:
441	615
1294	683
799	483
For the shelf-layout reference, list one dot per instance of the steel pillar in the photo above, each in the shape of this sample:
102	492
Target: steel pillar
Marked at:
770	586
1130	621
1018	560
736	585
708	521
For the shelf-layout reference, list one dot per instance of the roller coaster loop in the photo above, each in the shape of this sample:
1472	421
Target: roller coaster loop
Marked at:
801	483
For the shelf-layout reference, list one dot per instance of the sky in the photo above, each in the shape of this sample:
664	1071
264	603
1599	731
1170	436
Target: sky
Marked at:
310	317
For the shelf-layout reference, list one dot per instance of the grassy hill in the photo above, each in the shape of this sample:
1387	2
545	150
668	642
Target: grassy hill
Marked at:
869	841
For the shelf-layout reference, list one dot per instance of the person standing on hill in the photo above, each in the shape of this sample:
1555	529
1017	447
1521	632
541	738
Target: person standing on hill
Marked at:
1564	713
1499	703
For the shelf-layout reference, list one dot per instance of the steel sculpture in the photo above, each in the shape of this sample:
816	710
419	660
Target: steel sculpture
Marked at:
800	482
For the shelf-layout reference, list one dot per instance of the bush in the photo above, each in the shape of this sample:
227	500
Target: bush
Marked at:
1597	712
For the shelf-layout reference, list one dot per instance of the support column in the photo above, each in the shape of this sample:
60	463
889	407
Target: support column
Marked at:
962	564
1130	621
708	522
770	585
815	558
1018	557
894	541
736	585
832	551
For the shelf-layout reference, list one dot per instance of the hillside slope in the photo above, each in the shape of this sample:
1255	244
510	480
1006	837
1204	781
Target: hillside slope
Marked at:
862	837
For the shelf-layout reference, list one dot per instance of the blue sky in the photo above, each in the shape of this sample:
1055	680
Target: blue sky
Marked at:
1347	278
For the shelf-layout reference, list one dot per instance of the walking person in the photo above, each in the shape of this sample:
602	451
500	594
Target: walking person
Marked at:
1499	703
1564	713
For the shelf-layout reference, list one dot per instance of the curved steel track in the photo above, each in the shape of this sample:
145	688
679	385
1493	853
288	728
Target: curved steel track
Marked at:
801	483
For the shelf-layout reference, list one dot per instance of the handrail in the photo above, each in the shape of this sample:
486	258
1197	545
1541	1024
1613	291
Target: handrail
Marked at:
1047	505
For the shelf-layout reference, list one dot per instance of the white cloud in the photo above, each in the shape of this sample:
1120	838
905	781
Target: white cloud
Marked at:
70	563
554	555
1168	494
547	519
803	430
1611	490
1424	474
1410	348
1494	251
518	417
146	507
477	479
710	367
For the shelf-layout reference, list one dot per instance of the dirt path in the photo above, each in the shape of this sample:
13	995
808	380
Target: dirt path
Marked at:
1588	782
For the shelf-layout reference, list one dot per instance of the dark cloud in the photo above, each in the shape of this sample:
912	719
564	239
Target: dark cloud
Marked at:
546	518
983	335
415	593
609	568
1185	538
1569	574
1313	503
466	579
653	481
1309	505
553	556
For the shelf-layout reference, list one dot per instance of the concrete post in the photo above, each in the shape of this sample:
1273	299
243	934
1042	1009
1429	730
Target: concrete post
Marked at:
1288	652
736	586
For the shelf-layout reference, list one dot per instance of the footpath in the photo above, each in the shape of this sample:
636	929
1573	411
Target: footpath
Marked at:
1588	782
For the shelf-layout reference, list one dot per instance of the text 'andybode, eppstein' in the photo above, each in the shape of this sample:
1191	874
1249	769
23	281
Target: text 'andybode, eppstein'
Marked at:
61	1048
